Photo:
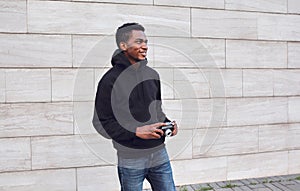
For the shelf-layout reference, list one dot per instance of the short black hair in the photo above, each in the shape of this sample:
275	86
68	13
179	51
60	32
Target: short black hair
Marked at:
123	32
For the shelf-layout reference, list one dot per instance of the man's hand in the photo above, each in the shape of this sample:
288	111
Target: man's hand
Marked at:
175	130
150	131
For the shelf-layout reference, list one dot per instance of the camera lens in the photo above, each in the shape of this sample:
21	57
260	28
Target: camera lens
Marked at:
168	133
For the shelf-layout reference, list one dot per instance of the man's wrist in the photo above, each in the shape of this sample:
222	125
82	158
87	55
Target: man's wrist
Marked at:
137	131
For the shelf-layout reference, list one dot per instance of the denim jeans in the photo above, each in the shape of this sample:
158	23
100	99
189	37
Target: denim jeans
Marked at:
154	167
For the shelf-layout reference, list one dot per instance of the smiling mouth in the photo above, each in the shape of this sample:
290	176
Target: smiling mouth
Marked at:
143	53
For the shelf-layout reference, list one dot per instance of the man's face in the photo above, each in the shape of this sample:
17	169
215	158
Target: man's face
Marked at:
136	47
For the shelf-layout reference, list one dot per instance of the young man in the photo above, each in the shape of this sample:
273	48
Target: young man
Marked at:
128	110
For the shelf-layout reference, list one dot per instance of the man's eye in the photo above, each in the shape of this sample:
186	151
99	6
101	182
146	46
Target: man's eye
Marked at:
141	41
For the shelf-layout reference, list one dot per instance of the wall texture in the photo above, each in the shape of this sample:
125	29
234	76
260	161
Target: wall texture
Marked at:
230	71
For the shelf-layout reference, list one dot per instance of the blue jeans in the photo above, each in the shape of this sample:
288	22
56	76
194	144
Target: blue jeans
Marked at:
154	167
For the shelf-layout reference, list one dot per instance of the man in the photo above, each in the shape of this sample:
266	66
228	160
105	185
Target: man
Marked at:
128	110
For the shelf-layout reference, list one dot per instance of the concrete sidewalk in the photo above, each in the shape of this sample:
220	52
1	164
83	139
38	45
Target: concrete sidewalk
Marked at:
276	183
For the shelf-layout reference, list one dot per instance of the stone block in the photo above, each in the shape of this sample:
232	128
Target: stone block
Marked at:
185	112
218	4
233	82
72	84
223	24
180	146
294	108
293	6
147	2
286	82
82	18
63	81
251	111
278	6
200	53
225	82
33	50
293	136
28	85
255	54
190	83
294	165
242	25
95	178
71	151
83	115
257	165
258	82
54	180
293	55
278	27
273	137
225	141
84	85
15	154
32	119
93	51
194	113
167	82
199	170
13	16
2	85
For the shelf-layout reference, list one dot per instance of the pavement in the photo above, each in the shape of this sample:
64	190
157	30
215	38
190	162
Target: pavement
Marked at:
275	183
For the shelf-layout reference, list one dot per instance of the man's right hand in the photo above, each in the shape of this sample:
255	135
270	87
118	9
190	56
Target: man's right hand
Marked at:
150	131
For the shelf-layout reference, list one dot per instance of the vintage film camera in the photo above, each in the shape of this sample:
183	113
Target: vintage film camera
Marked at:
168	128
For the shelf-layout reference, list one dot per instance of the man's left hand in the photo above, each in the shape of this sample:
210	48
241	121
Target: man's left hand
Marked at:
175	130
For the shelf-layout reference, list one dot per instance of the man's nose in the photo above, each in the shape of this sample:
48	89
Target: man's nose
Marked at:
144	46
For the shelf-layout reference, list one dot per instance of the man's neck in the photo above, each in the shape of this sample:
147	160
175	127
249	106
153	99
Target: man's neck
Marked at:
136	65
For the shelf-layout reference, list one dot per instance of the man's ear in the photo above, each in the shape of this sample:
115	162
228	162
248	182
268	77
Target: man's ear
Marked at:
123	46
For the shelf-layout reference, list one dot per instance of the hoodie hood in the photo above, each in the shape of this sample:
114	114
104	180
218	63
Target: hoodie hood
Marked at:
119	58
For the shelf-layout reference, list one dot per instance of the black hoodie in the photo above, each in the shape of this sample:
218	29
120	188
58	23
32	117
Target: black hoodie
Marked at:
128	97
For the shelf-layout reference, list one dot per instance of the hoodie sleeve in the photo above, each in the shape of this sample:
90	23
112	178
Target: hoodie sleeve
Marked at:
105	115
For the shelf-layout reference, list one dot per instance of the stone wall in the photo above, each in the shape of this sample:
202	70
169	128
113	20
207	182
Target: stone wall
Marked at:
230	75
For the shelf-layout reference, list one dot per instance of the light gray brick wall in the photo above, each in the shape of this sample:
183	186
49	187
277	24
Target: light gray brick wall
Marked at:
230	74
